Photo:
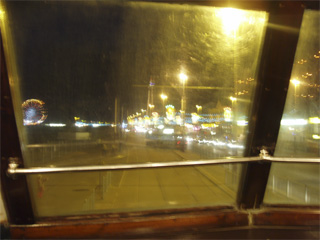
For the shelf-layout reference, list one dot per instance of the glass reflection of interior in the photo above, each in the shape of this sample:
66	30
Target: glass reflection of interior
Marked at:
300	131
104	83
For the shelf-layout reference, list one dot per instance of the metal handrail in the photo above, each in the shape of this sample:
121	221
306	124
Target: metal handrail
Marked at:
14	169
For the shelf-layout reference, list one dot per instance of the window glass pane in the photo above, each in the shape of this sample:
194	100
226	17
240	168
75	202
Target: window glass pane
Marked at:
134	190
111	83
299	134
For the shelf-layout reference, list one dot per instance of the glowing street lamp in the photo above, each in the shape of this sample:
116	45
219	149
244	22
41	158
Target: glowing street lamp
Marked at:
151	106
183	78
233	99
164	98
295	83
233	115
231	19
199	108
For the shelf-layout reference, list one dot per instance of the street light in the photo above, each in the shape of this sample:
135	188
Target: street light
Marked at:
163	97
233	99
233	115
231	20
296	83
151	106
199	108
183	78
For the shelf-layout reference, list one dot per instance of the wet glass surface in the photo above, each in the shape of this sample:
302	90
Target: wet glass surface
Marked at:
111	83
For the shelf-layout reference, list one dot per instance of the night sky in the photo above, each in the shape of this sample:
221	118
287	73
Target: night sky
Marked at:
79	56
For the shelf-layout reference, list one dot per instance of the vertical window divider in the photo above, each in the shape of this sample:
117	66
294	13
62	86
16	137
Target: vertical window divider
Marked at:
15	192
277	57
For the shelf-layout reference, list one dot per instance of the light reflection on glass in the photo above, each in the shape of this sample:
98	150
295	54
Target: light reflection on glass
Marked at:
135	83
300	128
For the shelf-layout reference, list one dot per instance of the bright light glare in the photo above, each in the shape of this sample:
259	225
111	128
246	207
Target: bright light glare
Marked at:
2	14
231	19
242	123
314	120
230	145
294	122
183	77
163	97
56	124
160	126
195	118
140	129
80	124
295	82
315	136
168	131
189	139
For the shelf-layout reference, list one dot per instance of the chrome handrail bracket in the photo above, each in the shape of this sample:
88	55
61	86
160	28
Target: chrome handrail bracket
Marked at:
12	166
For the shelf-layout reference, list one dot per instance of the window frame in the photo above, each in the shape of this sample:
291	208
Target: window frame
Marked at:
273	82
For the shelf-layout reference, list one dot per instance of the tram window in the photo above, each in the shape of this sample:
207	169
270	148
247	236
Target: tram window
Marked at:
300	126
112	83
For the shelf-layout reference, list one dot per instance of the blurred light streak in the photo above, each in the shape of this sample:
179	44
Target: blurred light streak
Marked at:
294	122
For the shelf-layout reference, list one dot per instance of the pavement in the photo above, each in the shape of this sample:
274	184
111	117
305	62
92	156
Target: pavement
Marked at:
137	190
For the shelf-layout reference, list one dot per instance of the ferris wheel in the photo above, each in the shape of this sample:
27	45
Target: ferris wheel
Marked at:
34	112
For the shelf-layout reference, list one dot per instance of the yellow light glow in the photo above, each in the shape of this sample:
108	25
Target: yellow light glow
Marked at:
163	96
295	82
233	99
231	19
227	114
2	14
314	120
183	77
315	136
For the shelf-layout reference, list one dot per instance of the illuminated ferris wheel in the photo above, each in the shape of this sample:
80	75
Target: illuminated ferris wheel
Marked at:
34	112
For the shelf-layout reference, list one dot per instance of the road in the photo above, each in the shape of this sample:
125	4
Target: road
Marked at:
147	189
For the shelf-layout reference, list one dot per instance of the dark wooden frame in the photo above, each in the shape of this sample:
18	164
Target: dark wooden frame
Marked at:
14	191
208	223
273	80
